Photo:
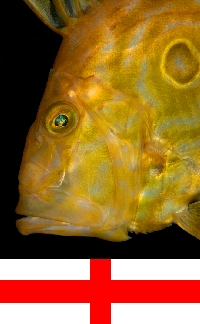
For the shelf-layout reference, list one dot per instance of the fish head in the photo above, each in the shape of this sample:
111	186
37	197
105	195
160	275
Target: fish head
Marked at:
72	179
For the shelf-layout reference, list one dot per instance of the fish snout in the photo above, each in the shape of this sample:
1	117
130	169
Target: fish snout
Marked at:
34	177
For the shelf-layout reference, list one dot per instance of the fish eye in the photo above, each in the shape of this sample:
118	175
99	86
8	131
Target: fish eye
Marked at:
60	118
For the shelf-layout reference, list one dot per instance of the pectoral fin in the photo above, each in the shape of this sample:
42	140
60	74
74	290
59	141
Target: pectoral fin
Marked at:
195	208
190	221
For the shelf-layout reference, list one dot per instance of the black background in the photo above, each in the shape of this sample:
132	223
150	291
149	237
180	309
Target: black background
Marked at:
28	50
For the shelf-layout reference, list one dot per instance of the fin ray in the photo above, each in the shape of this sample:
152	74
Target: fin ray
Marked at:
195	208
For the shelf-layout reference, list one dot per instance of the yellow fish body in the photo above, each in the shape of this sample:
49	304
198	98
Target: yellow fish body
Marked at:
115	147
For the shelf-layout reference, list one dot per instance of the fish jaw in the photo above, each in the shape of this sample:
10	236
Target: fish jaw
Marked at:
58	205
30	225
80	218
91	225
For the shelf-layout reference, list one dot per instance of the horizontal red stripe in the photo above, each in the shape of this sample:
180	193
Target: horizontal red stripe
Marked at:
155	291
114	291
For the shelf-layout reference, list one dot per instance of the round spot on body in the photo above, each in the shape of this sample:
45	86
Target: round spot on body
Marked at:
181	62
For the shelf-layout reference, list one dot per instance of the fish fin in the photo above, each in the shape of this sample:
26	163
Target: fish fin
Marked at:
194	208
190	221
59	14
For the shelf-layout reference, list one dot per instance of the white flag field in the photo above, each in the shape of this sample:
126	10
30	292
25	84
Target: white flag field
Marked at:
76	313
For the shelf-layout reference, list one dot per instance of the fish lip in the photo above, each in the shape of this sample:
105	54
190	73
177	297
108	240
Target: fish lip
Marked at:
61	222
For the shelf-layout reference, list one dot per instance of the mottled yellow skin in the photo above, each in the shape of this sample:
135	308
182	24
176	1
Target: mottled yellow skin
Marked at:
130	71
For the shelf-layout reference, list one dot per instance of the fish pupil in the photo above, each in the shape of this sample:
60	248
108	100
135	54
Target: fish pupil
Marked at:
61	121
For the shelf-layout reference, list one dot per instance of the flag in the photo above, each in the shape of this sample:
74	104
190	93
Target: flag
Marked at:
100	291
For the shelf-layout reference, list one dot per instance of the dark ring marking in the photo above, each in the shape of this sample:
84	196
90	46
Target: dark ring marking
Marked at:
180	62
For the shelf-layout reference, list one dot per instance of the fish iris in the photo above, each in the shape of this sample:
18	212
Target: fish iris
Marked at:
61	121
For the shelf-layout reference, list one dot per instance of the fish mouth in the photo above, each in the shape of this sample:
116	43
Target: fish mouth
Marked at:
57	205
33	224
30	225
79	218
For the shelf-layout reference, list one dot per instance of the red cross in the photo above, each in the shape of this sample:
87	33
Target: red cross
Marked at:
100	291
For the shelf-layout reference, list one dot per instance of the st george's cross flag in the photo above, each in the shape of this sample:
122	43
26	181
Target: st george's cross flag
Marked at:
100	291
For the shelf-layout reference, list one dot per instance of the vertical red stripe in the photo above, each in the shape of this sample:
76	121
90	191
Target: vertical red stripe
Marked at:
100	313
100	270
100	277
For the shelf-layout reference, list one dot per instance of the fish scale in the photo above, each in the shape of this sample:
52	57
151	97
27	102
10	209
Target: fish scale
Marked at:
126	82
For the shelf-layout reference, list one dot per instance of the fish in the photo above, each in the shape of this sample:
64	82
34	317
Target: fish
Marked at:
115	147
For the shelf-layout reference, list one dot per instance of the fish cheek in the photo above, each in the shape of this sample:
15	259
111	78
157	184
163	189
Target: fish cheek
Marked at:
90	169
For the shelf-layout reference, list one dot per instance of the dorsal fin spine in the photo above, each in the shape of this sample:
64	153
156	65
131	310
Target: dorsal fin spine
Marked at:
62	11
77	9
60	14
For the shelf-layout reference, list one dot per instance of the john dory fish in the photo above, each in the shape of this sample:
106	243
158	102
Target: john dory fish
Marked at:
115	147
